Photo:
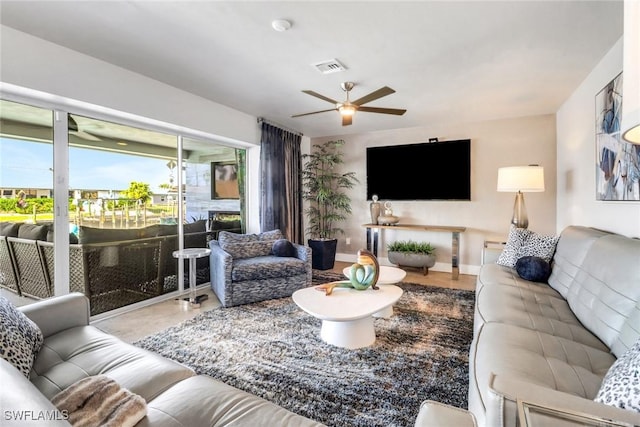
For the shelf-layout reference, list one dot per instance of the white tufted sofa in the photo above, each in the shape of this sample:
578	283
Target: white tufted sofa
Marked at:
553	343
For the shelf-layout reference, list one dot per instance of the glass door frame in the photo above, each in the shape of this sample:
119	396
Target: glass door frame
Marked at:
61	107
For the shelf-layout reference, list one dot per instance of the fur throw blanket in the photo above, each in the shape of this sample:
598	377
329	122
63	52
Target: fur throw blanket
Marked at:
100	401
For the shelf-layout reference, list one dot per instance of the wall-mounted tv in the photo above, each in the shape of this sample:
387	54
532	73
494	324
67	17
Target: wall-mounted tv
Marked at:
425	171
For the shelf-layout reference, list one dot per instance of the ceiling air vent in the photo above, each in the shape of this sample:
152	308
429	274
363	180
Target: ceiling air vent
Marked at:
329	66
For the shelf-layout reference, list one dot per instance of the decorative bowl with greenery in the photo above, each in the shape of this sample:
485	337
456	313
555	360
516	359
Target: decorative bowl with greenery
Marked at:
411	246
412	254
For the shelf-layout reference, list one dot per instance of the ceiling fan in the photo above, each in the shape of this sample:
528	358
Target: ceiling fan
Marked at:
348	108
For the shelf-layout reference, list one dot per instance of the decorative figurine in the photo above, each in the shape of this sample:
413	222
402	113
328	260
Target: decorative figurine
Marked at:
362	274
374	208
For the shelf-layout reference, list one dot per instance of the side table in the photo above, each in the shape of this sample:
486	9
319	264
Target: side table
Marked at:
192	254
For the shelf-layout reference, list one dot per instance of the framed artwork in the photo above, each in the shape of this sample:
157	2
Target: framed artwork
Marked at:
224	182
617	161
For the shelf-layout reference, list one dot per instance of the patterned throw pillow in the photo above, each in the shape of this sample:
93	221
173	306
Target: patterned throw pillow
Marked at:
621	385
225	237
239	250
270	235
20	338
523	242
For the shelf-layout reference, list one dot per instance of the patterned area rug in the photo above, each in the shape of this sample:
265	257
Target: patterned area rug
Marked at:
273	349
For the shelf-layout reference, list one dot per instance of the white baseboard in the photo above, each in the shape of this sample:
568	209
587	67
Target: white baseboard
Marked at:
439	266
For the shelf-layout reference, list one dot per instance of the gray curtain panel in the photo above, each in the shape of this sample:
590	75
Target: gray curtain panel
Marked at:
281	182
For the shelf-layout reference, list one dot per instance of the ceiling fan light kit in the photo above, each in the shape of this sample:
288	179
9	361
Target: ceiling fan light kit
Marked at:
347	109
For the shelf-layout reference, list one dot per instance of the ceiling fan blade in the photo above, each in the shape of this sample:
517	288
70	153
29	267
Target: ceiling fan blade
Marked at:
347	120
317	95
396	111
383	91
315	112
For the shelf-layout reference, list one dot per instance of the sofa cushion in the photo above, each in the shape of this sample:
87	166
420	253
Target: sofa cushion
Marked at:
33	231
240	250
20	397
217	404
537	358
88	235
621	385
228	237
9	229
522	242
575	242
225	225
266	267
20	337
605	290
283	248
534	306
270	235
82	351
533	268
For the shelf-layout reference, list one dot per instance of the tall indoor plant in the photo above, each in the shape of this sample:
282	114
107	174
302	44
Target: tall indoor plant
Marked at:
324	187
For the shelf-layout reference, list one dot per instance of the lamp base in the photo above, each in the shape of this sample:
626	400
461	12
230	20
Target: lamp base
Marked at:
520	218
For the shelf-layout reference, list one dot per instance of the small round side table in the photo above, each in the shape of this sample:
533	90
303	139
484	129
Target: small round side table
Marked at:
192	254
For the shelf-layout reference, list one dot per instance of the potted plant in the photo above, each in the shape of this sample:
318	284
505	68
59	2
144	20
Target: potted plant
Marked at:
412	254
323	188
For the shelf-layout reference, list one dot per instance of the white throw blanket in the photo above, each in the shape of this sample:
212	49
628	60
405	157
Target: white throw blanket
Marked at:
100	401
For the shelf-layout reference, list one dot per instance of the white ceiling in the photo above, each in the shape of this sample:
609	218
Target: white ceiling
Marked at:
447	60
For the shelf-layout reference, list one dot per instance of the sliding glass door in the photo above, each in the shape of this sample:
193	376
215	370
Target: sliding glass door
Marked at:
130	199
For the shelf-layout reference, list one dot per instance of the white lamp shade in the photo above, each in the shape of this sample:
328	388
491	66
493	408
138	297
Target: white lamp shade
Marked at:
527	179
630	126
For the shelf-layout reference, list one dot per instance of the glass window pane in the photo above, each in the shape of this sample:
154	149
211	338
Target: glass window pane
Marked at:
26	201
126	230
213	177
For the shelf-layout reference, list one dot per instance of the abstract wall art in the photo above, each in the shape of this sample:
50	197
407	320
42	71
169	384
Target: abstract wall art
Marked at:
617	161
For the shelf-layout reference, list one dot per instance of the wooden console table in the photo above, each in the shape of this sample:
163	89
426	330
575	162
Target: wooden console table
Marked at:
455	239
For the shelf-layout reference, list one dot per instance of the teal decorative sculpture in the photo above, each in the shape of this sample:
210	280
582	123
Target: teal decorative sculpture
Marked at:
362	275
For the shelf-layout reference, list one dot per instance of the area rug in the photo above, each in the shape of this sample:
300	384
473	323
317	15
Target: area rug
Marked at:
273	349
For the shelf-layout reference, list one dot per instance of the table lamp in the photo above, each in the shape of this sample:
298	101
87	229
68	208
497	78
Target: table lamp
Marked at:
521	179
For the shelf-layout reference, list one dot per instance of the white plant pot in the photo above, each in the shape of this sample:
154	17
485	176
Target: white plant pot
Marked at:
412	259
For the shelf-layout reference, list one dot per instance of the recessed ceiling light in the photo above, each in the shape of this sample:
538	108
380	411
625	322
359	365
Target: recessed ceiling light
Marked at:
124	144
281	25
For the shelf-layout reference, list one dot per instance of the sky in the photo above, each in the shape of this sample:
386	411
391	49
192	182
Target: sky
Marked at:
26	164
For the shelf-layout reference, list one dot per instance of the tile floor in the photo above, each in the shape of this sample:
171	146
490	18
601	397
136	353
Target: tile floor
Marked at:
145	321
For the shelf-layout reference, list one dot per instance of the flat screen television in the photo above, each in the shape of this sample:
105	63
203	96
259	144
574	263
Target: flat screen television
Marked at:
425	171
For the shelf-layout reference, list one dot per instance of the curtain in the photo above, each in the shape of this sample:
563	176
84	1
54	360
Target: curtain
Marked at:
281	182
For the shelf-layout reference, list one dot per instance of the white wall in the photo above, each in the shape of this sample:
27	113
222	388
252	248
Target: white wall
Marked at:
37	64
494	144
577	158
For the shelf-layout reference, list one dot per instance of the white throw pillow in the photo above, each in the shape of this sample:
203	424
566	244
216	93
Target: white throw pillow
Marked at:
20	338
522	242
621	385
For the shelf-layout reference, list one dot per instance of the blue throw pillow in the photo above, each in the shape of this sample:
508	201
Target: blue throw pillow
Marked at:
284	248
533	268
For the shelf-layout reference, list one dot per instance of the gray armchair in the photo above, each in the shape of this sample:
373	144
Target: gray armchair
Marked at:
245	269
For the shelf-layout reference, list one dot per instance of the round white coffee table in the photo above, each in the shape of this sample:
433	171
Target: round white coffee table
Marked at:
347	314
